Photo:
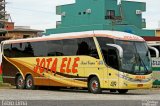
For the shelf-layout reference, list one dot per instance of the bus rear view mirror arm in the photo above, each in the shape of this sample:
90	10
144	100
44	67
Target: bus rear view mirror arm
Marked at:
119	48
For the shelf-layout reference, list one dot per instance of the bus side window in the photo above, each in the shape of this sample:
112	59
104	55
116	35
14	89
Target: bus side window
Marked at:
37	48
55	48
7	50
28	50
70	47
86	46
15	50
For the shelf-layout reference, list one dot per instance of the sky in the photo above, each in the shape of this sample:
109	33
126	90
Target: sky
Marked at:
41	14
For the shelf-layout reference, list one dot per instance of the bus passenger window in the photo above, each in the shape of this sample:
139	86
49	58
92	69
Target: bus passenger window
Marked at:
86	46
83	48
7	50
55	48
37	48
28	50
16	52
70	47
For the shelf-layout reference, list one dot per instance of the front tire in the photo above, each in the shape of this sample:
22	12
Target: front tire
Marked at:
30	82
94	86
20	82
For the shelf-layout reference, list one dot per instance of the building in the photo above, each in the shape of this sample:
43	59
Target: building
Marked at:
19	33
9	31
2	35
2	20
12	32
84	15
158	32
153	38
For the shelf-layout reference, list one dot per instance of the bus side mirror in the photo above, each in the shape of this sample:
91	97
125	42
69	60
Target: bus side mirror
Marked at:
156	51
119	48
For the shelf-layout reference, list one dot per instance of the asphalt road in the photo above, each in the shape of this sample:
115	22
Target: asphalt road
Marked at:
132	98
72	94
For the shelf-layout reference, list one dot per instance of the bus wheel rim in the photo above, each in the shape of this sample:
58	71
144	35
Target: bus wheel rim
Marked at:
29	83
94	85
20	82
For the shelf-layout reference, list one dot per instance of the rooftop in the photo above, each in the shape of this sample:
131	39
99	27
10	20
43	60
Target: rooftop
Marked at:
25	30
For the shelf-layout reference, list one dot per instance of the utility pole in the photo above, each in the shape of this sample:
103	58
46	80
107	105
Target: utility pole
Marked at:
2	13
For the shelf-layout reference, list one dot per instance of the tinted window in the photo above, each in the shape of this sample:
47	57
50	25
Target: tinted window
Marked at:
70	47
7	50
39	49
86	46
16	50
102	42
55	48
104	48
28	50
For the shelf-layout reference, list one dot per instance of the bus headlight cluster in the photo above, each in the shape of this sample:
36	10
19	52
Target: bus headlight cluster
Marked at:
125	77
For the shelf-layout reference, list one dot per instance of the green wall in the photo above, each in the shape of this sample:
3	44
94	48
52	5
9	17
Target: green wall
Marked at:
129	12
76	13
76	19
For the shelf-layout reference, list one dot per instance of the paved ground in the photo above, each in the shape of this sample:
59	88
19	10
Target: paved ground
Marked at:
67	94
68	97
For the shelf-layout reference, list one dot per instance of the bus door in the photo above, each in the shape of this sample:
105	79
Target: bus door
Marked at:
112	61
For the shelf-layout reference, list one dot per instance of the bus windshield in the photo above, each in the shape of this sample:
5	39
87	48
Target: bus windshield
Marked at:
136	59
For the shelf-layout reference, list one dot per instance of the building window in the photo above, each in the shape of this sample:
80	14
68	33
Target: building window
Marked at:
110	14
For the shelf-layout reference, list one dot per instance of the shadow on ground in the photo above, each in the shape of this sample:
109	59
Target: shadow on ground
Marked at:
76	90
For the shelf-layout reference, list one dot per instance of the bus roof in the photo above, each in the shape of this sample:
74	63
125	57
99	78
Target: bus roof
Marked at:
97	33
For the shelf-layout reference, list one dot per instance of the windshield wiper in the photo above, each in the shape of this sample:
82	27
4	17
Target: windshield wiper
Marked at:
142	62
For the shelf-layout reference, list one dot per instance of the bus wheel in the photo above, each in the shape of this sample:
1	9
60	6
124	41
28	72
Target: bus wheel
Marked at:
29	82
20	82
94	86
123	91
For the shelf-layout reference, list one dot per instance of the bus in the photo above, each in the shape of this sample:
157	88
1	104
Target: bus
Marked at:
97	60
154	48
1	39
